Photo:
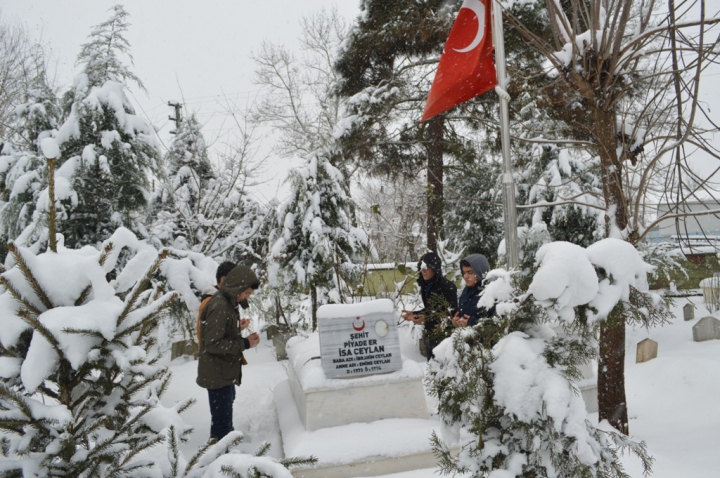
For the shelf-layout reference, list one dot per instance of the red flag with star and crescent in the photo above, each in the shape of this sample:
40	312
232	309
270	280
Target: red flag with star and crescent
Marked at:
467	67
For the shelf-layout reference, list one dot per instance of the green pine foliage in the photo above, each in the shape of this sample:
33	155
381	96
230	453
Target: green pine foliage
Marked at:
81	396
108	151
23	174
507	395
473	204
316	247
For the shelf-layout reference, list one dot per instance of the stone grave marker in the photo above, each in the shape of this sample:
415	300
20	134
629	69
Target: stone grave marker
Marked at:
646	350
688	312
183	347
359	339
707	328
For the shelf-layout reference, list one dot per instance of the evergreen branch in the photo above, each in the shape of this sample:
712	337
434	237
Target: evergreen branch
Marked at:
189	402
83	295
174	455
141	286
29	276
264	447
196	457
16	295
21	405
140	447
86	332
109	247
146	320
298	461
6	352
42	330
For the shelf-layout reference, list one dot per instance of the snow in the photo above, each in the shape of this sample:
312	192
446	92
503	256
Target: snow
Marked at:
50	148
671	401
333	311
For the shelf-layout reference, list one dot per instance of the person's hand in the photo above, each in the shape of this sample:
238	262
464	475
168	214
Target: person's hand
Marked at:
408	315
460	321
244	323
254	339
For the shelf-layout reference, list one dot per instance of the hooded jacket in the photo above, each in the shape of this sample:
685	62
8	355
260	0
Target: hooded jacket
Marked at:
221	347
439	296
467	304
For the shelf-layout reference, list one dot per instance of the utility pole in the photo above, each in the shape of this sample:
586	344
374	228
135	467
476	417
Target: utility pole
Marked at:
178	116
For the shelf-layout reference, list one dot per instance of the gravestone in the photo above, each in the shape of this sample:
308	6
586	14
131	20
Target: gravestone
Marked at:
707	328
271	331
279	341
646	350
359	339
183	347
689	312
352	398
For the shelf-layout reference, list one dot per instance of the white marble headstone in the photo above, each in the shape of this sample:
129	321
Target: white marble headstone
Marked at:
359	339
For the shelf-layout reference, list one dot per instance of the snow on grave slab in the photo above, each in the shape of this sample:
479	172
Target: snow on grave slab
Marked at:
357	449
365	419
326	402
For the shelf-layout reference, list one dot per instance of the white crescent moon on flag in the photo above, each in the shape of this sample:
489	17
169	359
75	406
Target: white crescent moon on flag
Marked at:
479	9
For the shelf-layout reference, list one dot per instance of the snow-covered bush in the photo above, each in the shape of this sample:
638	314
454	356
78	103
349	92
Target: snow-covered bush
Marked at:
507	393
80	376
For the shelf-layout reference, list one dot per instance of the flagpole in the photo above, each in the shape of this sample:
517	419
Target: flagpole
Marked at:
510	215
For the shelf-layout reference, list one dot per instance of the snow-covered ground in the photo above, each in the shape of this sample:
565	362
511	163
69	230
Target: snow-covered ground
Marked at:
673	400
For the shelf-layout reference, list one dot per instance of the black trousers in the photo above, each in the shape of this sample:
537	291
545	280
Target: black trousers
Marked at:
221	411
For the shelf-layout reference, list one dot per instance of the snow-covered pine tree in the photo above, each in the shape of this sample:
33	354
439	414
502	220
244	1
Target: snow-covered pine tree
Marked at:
204	207
316	247
181	198
108	151
385	69
473	212
81	384
23	168
507	393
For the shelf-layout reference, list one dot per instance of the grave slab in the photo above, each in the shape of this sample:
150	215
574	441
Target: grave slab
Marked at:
646	350
707	328
358	449
324	402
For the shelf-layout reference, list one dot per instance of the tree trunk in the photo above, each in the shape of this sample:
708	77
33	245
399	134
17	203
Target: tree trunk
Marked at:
612	402
314	306
434	149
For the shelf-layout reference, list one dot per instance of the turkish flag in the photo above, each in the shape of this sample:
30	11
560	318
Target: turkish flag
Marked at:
466	68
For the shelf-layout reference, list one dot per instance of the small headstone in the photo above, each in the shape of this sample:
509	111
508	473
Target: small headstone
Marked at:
689	312
279	341
707	328
271	331
183	347
646	350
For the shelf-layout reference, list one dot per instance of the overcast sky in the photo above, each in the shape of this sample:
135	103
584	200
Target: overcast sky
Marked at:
198	51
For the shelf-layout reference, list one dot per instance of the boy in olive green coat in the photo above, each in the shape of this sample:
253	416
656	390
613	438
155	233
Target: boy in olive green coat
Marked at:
222	346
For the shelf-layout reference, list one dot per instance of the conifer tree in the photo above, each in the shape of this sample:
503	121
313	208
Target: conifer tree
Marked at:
81	384
316	247
108	151
204	207
473	212
179	198
385	68
507	391
23	175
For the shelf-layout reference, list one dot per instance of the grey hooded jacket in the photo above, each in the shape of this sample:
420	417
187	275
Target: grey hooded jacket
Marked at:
221	347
